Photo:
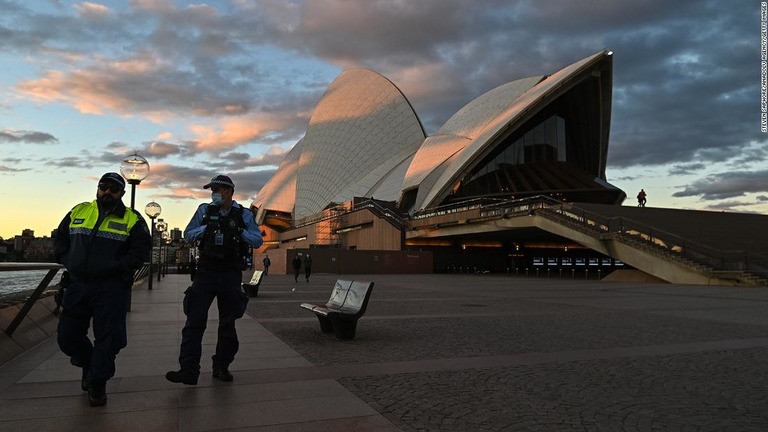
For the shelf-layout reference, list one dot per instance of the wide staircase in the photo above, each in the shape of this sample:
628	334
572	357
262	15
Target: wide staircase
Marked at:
722	248
679	246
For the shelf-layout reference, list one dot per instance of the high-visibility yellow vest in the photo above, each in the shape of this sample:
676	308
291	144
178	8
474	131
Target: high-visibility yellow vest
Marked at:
96	253
84	216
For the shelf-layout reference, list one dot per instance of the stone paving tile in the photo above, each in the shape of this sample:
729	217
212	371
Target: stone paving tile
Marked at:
710	391
723	387
481	352
414	339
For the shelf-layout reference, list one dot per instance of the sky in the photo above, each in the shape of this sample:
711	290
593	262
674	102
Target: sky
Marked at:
228	87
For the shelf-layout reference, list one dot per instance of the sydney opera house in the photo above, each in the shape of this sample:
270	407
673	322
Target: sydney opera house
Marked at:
367	178
541	135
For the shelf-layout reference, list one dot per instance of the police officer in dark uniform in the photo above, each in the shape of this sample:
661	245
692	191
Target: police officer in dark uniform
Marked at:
224	229
100	243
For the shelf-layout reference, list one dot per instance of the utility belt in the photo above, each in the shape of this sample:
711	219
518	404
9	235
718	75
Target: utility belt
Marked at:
219	267
91	279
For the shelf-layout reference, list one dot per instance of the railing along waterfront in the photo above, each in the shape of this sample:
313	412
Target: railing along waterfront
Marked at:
52	268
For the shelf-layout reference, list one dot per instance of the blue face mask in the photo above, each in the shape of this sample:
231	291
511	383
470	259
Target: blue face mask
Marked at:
217	198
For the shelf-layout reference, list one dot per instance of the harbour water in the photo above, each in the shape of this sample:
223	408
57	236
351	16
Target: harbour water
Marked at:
12	282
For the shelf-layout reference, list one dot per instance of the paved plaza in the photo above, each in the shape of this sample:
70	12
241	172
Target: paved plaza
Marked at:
433	352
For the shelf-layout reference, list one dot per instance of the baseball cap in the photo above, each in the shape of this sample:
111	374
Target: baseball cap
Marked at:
114	178
220	180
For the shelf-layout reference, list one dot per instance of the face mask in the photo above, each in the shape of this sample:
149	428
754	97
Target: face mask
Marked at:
217	198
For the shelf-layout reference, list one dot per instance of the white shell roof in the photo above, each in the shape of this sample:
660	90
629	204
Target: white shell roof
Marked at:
383	182
360	123
460	130
484	132
364	139
280	191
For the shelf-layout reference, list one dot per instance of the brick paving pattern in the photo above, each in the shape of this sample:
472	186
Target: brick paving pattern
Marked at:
569	355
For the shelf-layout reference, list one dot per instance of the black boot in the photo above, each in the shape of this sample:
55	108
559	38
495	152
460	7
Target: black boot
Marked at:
182	376
84	379
97	393
222	374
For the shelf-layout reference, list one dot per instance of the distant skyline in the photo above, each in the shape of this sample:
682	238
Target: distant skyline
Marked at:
228	87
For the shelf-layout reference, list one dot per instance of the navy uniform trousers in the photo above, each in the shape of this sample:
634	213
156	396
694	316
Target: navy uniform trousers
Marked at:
226	288
106	303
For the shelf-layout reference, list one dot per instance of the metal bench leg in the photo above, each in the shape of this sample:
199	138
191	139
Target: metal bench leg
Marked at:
325	324
345	329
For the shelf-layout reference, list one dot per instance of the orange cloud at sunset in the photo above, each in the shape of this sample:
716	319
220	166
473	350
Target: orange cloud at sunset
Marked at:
92	91
232	132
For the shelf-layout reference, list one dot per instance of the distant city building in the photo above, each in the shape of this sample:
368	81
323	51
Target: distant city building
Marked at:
176	235
21	242
28	248
39	250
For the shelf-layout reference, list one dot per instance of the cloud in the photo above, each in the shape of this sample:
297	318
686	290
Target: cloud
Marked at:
184	182
67	162
161	149
686	169
27	137
272	157
6	169
232	132
142	84
89	10
726	185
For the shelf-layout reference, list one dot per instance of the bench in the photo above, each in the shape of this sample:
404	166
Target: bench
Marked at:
252	287
347	304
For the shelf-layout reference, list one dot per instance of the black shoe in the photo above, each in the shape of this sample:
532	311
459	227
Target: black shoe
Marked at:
182	376
223	375
97	393
84	384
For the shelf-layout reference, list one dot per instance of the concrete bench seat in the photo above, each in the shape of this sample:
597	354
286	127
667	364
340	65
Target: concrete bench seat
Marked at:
340	313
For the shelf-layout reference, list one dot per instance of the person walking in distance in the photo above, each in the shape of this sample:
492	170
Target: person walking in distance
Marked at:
224	230
267	262
641	198
101	243
296	265
307	266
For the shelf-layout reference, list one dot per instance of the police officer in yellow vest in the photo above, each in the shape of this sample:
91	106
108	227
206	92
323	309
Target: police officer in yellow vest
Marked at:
100	243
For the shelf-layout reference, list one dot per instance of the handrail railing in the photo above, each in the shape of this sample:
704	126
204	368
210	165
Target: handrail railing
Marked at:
381	211
660	240
625	228
377	208
52	268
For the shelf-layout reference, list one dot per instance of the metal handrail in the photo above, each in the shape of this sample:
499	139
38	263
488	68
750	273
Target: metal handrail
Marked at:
381	211
599	225
715	259
52	268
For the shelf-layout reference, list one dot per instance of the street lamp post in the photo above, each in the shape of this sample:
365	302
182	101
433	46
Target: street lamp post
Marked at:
135	169
152	210
166	257
161	227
